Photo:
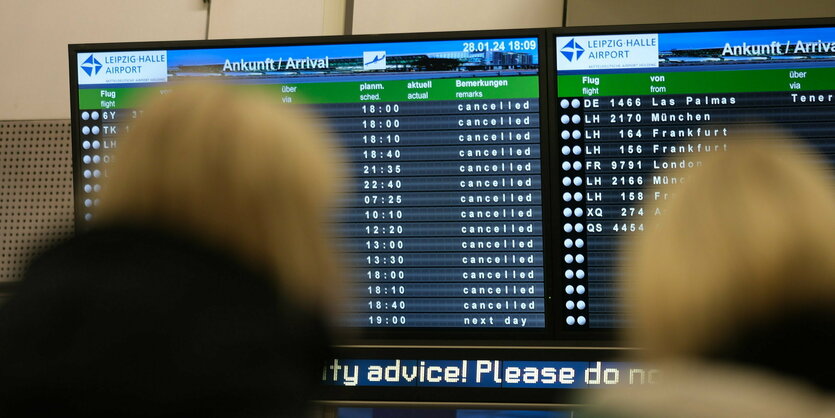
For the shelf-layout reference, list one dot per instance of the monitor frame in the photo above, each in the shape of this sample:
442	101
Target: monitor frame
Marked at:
364	335
553	335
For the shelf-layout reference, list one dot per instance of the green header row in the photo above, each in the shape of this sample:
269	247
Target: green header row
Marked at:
517	87
696	82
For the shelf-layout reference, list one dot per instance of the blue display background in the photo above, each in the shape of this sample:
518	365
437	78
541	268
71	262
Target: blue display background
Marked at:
218	55
484	373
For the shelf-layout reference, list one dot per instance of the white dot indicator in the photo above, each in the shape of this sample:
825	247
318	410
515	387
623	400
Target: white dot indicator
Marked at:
575	103
88	188
88	202
579	227
564	103
95	115
96	144
566	150
568	243
96	159
88	174
566	165
566	181
569	289
570	320
579	243
576	134
569	258
581	305
566	212
85	130
575	119
95	130
85	145
581	289
86	159
577	150
565	119
578	196
581	320
88	216
565	134
578	165
569	305
97	188
578	181
580	258
96	173
581	274
85	115
569	274
567	228
566	197
578	212
96	202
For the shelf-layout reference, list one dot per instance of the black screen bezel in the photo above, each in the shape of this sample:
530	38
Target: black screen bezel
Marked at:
557	235
555	333
378	335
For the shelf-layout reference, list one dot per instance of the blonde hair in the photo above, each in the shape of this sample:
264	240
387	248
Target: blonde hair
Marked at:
747	235
232	166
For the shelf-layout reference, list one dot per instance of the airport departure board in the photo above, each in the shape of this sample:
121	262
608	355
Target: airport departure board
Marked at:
629	105
443	225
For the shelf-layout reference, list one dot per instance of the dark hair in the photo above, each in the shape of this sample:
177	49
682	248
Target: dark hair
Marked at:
130	323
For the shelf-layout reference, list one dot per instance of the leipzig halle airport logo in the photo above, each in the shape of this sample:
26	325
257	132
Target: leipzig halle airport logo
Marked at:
374	60
91	66
572	50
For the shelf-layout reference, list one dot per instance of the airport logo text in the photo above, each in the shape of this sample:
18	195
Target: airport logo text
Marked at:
123	67
607	52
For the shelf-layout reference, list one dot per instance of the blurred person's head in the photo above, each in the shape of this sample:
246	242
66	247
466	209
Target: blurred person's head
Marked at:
739	259
206	285
237	169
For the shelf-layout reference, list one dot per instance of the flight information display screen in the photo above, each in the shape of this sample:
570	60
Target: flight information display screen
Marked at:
630	104
443	226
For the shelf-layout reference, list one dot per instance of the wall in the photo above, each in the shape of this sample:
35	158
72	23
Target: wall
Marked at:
389	16
619	12
275	18
34	37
